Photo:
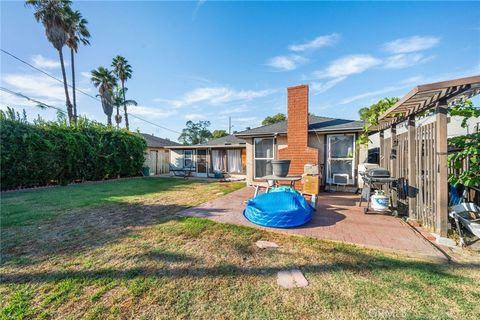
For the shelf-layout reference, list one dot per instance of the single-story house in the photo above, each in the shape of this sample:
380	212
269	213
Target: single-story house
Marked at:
226	155
157	155
306	139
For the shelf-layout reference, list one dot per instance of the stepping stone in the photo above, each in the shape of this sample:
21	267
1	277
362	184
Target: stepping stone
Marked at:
266	244
291	279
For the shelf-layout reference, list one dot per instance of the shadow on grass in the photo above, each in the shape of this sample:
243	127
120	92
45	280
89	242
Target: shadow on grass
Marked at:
26	207
362	262
84	230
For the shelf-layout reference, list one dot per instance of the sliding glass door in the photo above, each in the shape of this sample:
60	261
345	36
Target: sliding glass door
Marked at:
341	158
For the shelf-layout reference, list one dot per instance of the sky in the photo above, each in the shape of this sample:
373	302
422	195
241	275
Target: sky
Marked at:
209	60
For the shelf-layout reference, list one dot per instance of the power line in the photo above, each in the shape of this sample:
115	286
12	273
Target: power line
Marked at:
39	103
46	73
76	89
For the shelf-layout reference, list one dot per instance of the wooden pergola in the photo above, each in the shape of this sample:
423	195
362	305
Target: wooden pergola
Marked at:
418	156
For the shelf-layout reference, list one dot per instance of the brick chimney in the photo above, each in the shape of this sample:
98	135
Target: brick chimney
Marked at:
298	150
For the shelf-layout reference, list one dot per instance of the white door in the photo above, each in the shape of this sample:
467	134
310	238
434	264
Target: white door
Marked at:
341	157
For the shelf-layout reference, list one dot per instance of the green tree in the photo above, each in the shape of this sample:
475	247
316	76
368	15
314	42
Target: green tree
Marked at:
370	115
274	119
467	148
123	71
118	101
195	133
104	80
219	134
77	33
53	14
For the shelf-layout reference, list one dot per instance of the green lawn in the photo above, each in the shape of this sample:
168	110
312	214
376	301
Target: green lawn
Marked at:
26	207
123	254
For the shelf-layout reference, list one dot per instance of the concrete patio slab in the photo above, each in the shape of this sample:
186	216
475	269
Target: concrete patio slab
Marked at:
338	217
262	244
291	279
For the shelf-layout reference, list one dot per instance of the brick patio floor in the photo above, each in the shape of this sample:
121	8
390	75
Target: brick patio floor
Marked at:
337	218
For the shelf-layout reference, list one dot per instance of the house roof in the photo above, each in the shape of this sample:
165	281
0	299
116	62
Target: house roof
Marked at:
315	124
224	142
156	142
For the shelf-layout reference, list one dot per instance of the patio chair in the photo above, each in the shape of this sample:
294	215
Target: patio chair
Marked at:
467	215
180	172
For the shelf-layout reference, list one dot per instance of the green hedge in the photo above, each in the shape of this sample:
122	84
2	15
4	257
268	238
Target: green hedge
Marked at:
45	153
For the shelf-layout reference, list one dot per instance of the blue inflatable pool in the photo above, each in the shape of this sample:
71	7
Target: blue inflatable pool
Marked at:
279	209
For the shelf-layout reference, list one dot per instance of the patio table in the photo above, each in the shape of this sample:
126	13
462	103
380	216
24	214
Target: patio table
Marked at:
276	180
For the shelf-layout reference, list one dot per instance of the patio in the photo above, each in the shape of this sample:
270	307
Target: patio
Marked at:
337	218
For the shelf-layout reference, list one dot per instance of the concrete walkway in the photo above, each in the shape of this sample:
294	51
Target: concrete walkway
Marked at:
337	218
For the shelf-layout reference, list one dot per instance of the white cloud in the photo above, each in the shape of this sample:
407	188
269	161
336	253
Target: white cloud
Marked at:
151	112
411	44
316	43
42	62
199	4
169	102
238	109
405	60
286	63
86	74
194	116
348	65
246	119
40	87
320	87
11	100
402	85
216	96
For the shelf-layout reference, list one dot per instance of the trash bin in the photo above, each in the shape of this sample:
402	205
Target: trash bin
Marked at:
146	171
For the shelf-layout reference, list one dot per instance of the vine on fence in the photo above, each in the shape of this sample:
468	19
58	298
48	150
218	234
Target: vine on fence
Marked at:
51	152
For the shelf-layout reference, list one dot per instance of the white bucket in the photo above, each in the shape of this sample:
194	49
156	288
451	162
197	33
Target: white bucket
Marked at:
379	201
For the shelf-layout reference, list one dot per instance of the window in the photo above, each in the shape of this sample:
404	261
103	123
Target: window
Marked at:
263	153
188	158
340	157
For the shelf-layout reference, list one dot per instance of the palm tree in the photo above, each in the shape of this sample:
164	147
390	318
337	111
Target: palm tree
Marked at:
123	71
77	33
118	97
105	81
53	15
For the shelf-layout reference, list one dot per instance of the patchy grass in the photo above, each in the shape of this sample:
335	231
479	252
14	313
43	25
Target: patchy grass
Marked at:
26	207
131	258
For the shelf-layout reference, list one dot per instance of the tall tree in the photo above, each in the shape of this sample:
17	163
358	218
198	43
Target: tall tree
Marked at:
77	33
105	81
53	14
195	133
123	71
219	134
118	101
274	119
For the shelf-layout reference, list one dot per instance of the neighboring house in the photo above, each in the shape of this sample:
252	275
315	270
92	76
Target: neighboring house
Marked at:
157	155
306	139
226	155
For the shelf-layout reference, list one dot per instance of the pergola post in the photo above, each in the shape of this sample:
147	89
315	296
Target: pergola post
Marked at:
412	167
442	183
393	154
381	152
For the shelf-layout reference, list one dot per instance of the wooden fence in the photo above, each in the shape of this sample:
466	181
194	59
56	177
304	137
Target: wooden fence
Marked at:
396	162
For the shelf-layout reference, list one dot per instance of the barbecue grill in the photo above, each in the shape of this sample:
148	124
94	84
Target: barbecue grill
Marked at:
375	179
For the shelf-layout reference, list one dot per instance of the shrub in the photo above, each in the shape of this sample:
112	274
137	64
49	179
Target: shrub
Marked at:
46	153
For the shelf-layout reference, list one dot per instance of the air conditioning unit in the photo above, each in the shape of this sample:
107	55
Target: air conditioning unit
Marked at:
340	179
